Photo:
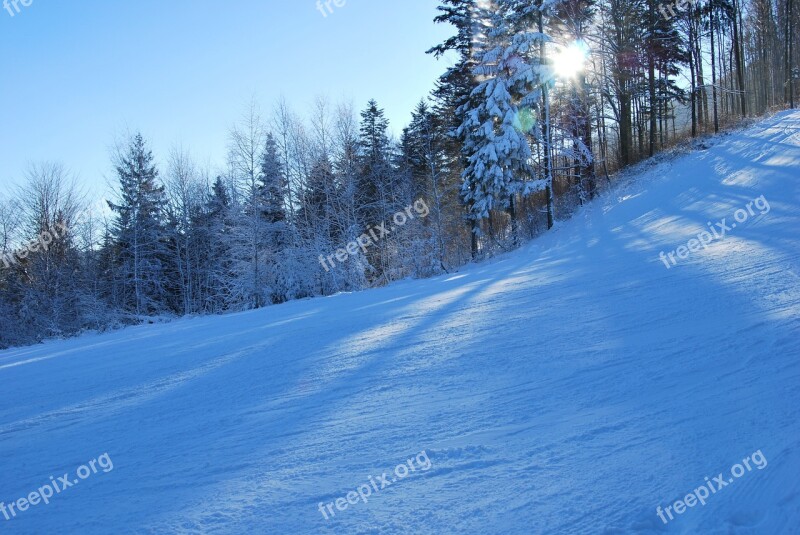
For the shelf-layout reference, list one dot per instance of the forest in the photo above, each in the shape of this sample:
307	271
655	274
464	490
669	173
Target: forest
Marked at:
541	104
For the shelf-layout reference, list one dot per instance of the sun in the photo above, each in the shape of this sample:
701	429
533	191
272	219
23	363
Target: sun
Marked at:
569	60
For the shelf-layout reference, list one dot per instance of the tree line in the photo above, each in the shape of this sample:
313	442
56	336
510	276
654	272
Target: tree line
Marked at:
507	142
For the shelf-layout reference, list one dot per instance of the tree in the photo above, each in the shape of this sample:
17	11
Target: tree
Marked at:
247	141
573	20
789	52
139	233
624	38
274	186
185	197
376	182
497	126
454	90
216	230
424	156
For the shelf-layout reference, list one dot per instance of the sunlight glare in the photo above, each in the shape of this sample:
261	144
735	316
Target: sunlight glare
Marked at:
569	60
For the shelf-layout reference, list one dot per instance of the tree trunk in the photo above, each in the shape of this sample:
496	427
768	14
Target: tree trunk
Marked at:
790	51
712	15
737	48
651	81
692	59
588	171
512	213
547	139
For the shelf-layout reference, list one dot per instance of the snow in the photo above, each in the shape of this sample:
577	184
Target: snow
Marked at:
570	387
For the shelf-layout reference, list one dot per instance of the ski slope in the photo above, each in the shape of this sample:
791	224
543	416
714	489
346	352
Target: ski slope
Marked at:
573	386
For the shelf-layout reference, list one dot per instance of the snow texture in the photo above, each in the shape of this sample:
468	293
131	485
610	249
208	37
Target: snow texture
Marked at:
570	387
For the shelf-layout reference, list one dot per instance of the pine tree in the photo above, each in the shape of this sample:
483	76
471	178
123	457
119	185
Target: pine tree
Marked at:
376	187
139	232
454	91
217	228
497	128
273	189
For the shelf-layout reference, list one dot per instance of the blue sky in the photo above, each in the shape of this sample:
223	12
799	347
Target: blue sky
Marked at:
76	75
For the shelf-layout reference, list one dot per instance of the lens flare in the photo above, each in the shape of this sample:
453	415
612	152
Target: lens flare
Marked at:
569	60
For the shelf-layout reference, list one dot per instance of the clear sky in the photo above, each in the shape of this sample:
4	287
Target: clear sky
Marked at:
75	75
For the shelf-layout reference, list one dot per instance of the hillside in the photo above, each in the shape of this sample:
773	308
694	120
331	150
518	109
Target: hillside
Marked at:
573	386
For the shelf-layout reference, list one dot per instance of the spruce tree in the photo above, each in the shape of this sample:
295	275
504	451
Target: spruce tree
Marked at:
273	189
454	90
497	126
376	186
139	231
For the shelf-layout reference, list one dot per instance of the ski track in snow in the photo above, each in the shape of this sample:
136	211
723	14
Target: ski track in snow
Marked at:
570	387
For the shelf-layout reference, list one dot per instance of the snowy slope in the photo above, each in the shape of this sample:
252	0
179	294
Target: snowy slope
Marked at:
571	387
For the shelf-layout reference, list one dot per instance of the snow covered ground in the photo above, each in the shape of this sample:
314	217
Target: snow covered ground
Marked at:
571	387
